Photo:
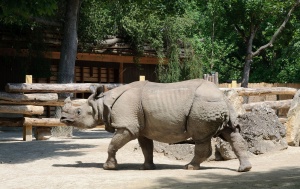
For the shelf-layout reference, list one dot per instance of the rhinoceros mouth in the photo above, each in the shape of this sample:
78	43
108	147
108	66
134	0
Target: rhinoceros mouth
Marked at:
66	120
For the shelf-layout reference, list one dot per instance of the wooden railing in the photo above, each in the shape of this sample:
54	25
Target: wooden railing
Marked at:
14	101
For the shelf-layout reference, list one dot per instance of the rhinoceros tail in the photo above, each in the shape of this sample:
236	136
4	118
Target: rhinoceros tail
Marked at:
233	121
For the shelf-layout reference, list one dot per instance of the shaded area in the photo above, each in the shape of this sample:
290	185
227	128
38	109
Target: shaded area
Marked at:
278	178
91	134
14	150
22	152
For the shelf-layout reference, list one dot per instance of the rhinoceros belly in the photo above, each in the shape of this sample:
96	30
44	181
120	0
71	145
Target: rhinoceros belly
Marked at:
166	107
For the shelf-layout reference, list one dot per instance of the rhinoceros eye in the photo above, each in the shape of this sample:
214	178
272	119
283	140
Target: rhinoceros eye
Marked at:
78	111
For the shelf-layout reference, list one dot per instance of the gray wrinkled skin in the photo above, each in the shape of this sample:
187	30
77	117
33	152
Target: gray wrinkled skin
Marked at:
167	113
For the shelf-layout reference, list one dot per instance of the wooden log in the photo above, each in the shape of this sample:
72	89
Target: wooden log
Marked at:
43	122
22	109
263	91
11	122
273	104
55	88
33	97
46	122
60	102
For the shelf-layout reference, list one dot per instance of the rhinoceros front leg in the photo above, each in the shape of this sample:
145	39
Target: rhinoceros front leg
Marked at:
202	152
121	137
147	148
239	147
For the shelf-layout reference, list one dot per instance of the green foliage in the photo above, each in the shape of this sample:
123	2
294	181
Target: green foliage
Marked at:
195	36
96	20
21	11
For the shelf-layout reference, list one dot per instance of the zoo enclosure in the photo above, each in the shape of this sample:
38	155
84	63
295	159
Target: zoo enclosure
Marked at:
41	96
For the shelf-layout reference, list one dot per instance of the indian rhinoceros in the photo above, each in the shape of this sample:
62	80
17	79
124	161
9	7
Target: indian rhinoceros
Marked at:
168	113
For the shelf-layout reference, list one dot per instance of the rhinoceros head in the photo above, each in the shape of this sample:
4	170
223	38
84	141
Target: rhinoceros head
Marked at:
85	115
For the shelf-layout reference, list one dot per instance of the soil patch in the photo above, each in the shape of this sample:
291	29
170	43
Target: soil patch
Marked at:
77	163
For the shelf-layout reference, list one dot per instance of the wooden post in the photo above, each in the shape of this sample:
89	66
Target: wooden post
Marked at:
217	78
233	84
213	78
142	78
27	130
121	73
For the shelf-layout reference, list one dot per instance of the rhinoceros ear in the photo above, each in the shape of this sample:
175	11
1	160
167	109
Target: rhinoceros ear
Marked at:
99	92
68	100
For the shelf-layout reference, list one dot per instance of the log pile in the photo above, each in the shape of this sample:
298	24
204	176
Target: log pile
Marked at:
14	101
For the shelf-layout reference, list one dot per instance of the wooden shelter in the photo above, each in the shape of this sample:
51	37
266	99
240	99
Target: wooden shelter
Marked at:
111	61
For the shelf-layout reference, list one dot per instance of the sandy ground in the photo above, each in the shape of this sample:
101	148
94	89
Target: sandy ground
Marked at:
77	163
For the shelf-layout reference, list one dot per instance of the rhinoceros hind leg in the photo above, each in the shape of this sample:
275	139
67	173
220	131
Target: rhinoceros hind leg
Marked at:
239	147
121	137
202	152
147	148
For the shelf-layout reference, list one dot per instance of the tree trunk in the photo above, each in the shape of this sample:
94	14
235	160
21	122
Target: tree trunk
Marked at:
69	44
246	73
248	59
67	58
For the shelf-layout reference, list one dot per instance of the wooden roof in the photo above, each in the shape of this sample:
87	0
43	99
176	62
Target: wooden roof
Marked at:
111	50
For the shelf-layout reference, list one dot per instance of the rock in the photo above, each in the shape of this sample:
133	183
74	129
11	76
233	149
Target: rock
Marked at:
224	149
42	133
262	130
175	151
236	101
293	122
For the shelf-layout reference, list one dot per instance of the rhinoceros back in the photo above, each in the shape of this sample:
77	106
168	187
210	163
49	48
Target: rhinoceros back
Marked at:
167	106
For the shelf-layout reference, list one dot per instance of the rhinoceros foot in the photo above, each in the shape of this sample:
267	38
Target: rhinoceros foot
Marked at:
245	167
148	166
191	167
110	165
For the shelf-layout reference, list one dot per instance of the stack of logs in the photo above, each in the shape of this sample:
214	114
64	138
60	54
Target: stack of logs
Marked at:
276	105
15	101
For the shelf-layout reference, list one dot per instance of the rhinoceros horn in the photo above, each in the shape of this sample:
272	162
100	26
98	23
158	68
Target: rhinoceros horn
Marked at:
68	103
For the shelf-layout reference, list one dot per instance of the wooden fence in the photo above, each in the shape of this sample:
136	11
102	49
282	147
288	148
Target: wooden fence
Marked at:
15	101
31	105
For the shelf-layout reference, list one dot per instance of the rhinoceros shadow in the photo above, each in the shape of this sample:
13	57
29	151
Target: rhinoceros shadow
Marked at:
124	166
131	166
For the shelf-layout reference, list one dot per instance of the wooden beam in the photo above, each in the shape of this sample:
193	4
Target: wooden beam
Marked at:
85	56
55	88
263	91
273	104
43	122
33	97
60	102
22	109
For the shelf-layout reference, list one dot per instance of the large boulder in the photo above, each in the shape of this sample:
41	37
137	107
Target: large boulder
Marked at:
262	130
293	122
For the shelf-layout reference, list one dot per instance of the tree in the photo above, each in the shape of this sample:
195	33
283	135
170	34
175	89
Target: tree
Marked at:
248	18
66	72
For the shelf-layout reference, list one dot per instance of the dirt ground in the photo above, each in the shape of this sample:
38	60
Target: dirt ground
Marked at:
77	163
